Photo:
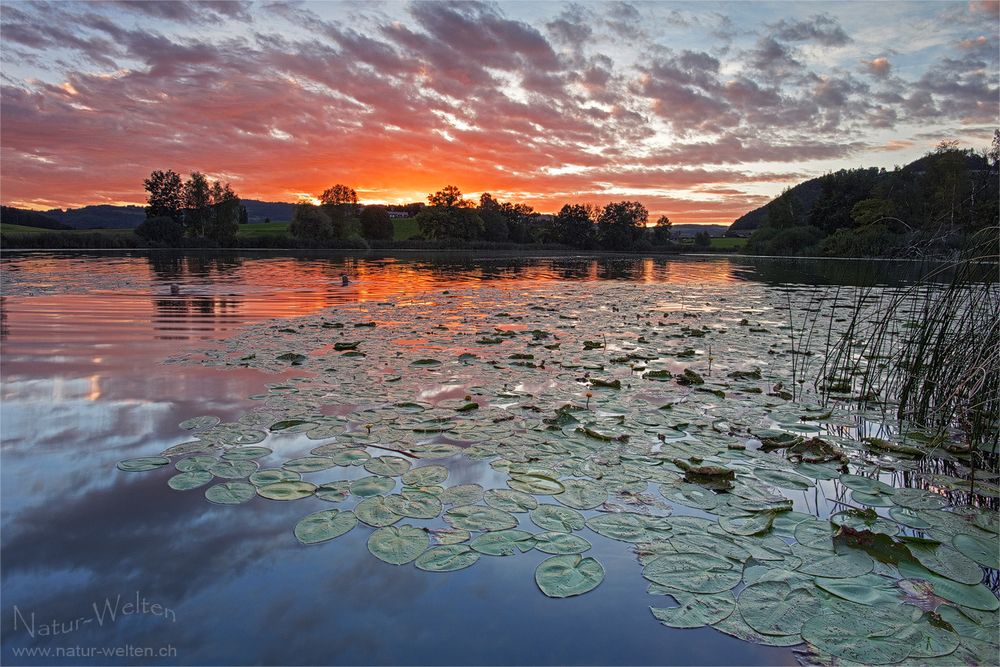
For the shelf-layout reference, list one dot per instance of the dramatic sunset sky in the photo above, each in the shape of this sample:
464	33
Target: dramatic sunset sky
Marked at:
700	110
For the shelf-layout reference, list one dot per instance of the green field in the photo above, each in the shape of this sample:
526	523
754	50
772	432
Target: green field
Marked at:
258	229
404	228
7	228
726	243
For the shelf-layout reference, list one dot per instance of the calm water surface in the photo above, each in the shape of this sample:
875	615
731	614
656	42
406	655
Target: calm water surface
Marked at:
83	341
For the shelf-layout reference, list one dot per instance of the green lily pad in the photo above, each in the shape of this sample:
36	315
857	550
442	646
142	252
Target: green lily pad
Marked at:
272	475
350	457
974	597
234	469
775	608
566	576
415	504
246	453
196	464
476	517
982	551
695	611
376	512
504	542
554	517
693	572
142	464
623	526
539	485
325	525
199	423
446	558
947	562
755	524
508	500
848	563
462	494
556	542
230	493
783	479
868	589
334	492
690	495
425	476
387	466
290	490
308	464
189	480
373	485
582	494
397	545
861	639
866	484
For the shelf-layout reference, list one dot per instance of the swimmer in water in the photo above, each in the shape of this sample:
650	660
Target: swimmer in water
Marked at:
344	280
175	288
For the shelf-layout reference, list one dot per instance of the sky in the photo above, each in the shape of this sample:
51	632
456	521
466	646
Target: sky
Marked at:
700	110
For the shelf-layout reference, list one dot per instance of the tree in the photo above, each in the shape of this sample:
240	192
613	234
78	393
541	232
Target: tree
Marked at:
244	218
339	195
450	223
161	230
620	224
702	240
574	225
661	232
166	195
784	212
197	200
376	223
448	197
310	223
339	203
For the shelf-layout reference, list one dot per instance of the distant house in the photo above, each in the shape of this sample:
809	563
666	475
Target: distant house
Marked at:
398	214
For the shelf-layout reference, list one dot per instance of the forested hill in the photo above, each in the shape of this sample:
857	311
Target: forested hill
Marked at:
934	204
105	216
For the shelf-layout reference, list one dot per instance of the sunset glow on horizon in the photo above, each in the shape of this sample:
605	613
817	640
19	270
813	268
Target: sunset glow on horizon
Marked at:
702	111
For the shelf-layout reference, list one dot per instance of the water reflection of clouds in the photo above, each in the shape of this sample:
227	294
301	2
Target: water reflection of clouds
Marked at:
83	387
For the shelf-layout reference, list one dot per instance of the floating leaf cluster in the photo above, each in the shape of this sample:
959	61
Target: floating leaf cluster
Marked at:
629	413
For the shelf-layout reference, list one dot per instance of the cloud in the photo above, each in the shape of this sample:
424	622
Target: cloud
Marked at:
878	67
821	28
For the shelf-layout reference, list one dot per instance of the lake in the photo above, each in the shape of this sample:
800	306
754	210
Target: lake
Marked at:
466	360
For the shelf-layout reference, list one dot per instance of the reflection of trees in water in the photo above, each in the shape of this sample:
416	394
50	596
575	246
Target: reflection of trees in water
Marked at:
4	324
173	266
193	314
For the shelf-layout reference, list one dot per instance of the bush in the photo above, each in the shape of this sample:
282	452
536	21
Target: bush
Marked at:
310	223
376	223
161	231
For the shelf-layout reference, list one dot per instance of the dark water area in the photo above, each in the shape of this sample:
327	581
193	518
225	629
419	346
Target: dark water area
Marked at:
84	337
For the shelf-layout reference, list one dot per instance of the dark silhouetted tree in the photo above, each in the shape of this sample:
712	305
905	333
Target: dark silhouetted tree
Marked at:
621	224
376	223
574	225
161	231
448	197
662	230
166	195
310	223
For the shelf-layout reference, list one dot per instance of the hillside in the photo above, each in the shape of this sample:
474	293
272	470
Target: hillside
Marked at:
106	216
932	205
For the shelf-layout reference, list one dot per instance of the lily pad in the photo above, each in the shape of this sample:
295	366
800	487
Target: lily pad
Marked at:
290	490
462	494
272	475
425	476
476	517
373	485
554	517
387	466
582	494
982	551
446	558
539	485
509	500
415	504
246	453
376	512
142	464
860	639
504	542
189	480
199	423
695	611
566	576
230	493
775	608
397	545
234	469
308	464
556	542
693	572
325	525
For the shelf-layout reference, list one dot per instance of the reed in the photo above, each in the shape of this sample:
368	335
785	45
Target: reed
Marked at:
930	351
